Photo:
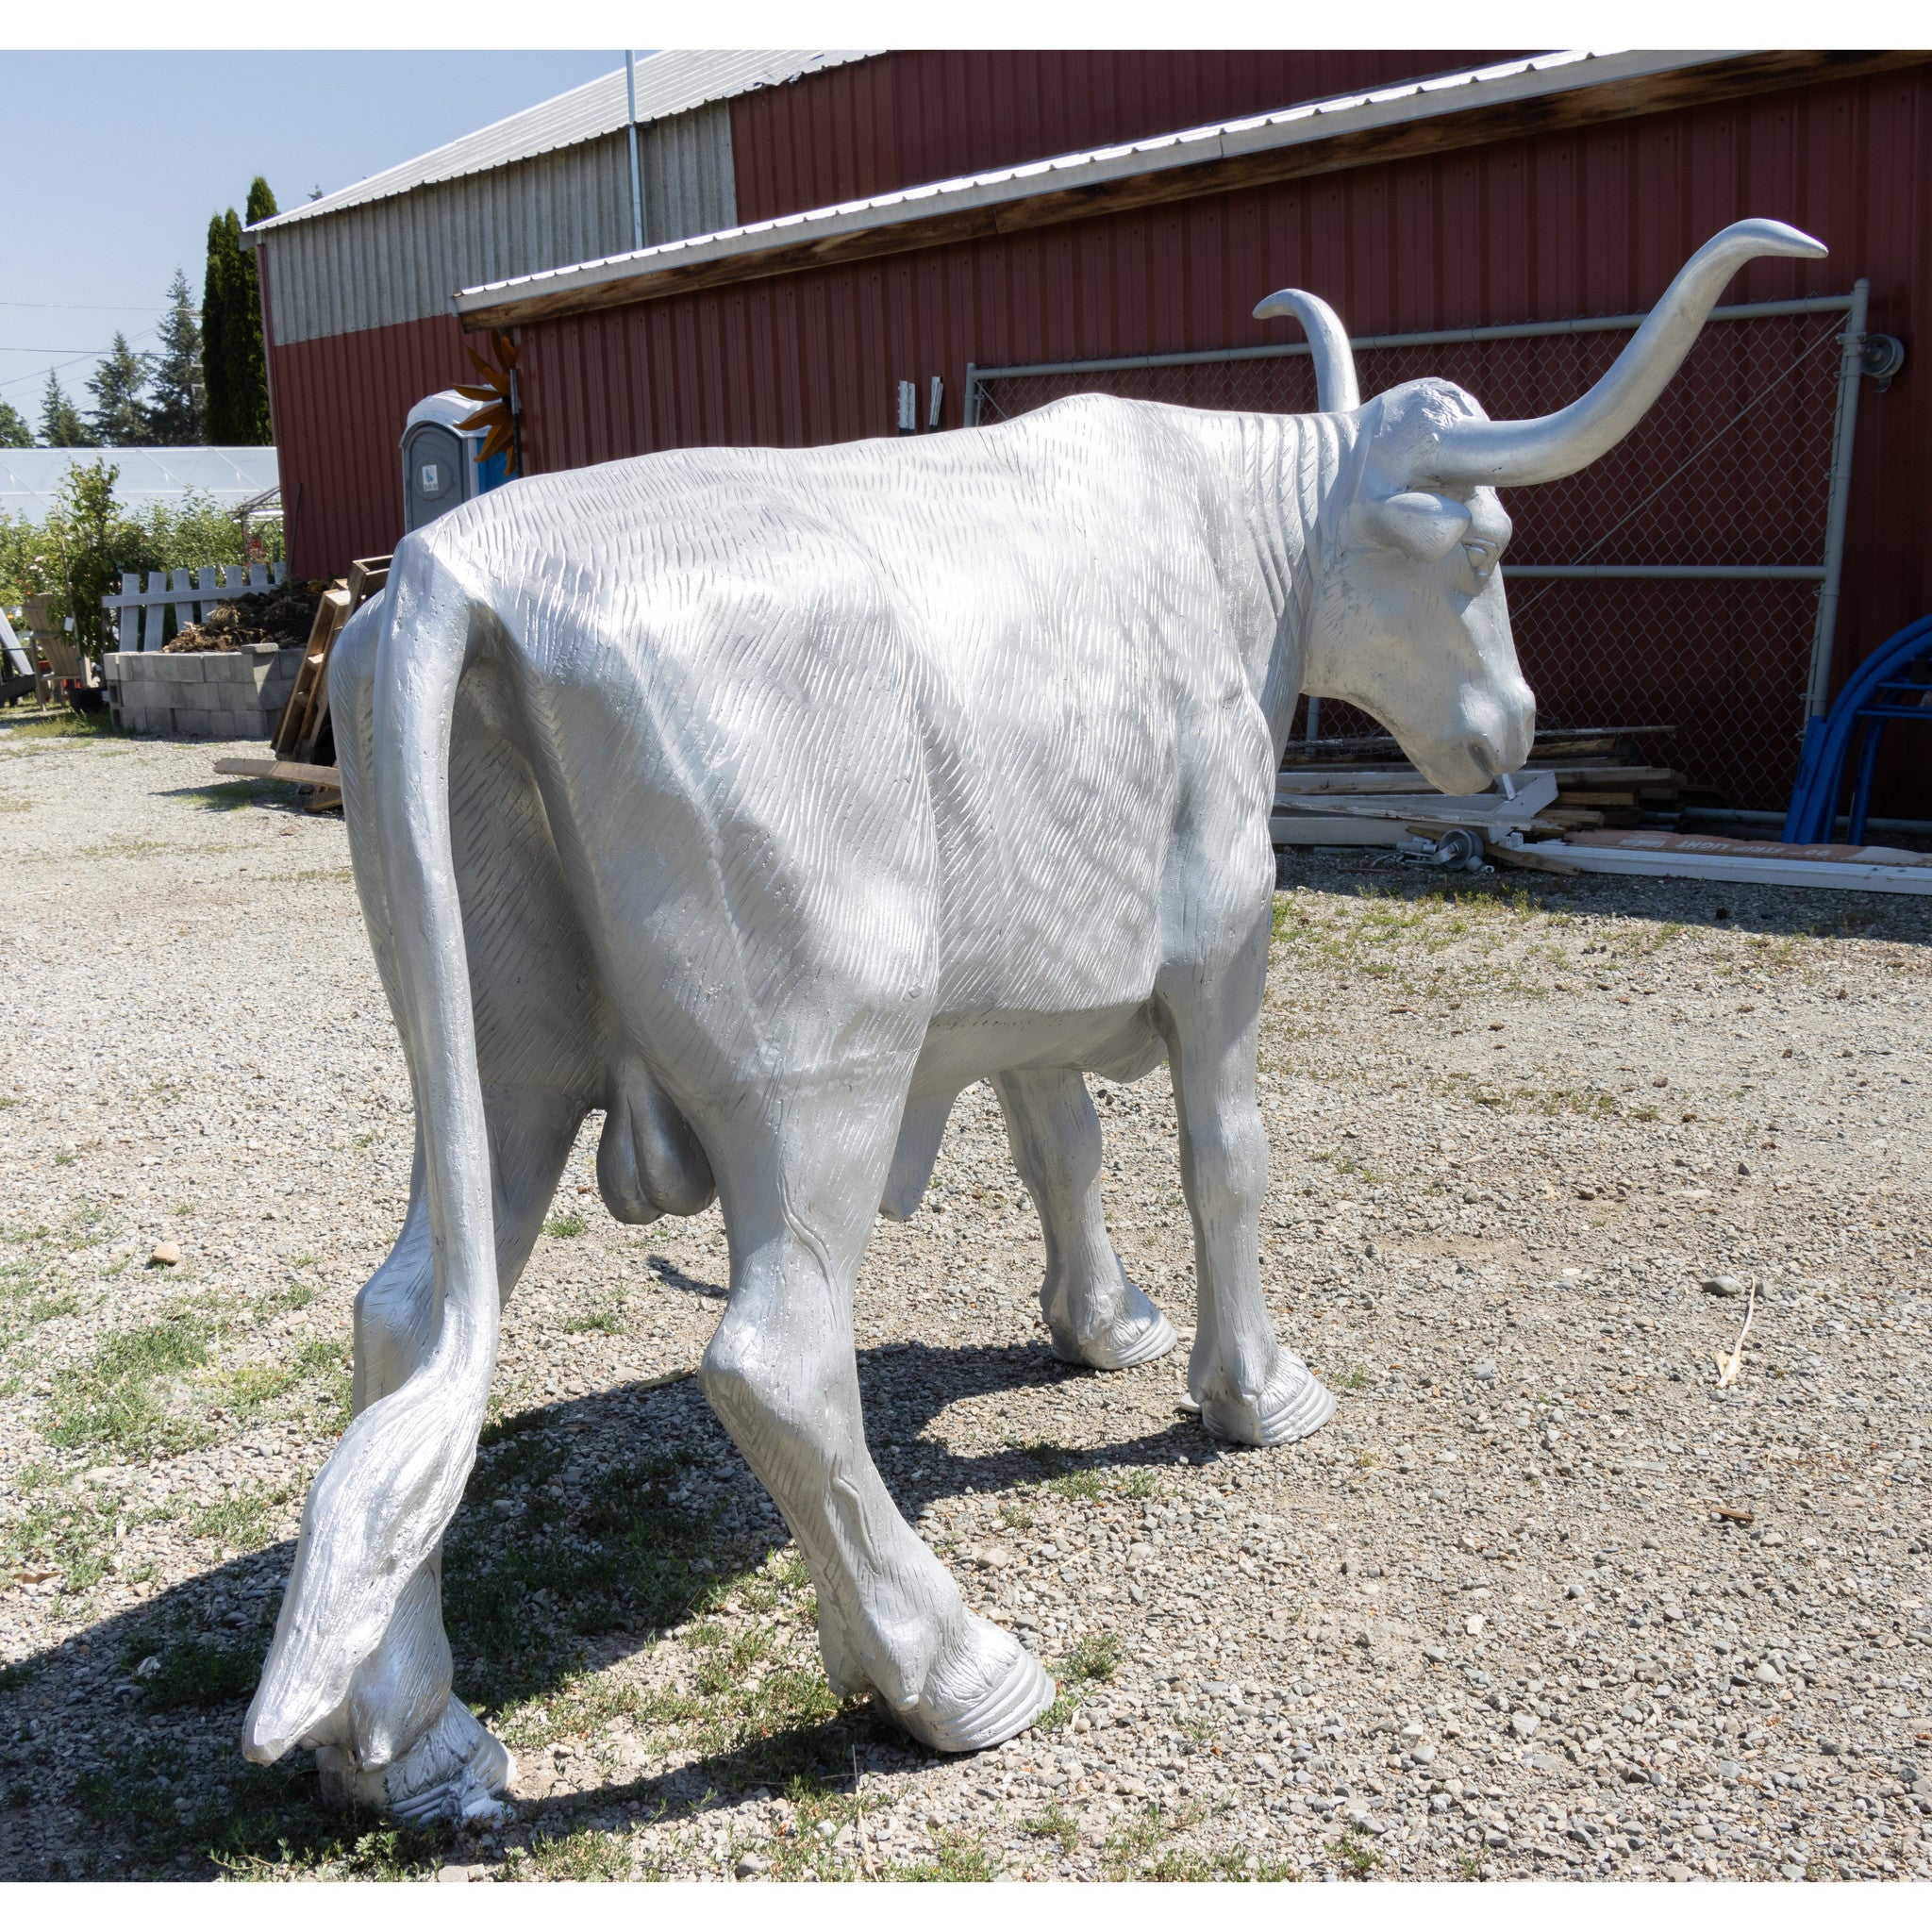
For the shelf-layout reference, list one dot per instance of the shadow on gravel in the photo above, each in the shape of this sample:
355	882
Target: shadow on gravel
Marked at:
126	1758
236	794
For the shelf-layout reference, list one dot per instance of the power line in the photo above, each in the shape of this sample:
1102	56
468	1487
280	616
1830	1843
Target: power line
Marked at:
41	374
103	308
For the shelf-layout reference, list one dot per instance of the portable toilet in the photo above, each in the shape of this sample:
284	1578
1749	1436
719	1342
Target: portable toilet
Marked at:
442	464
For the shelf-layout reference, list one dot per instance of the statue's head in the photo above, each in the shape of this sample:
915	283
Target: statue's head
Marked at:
1408	619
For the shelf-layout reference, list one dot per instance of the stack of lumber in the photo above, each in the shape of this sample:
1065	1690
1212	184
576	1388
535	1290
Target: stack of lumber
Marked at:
304	740
1606	779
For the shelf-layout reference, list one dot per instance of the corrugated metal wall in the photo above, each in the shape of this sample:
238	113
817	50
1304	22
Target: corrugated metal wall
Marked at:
339	404
358	311
1560	224
400	259
931	116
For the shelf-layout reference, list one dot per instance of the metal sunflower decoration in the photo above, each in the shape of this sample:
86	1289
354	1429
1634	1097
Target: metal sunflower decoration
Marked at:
502	411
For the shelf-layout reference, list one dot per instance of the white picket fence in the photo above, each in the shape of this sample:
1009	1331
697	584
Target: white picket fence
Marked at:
191	592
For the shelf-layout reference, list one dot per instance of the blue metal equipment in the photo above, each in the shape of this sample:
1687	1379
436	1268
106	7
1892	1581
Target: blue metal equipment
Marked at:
1895	681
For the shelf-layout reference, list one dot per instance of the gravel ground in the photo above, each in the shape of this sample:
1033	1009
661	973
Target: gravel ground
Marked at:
1545	1598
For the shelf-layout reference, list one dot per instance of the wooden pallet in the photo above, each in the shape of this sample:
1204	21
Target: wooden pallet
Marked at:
298	730
323	782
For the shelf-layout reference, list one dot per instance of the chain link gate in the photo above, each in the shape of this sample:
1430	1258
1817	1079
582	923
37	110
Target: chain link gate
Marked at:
1689	577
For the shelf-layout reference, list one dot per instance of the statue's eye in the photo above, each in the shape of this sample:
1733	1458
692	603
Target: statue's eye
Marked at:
1482	558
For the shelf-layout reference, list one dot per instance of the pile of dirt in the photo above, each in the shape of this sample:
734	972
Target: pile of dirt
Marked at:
281	616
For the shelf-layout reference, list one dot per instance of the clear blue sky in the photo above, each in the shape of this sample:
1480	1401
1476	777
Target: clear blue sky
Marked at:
111	165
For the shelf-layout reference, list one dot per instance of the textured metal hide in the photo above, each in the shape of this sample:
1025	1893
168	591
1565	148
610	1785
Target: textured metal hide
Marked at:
766	799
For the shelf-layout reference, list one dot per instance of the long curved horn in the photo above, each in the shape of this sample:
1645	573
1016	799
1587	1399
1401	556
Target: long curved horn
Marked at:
1546	447
1334	384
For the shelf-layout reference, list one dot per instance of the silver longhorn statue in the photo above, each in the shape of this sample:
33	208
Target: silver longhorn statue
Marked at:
765	799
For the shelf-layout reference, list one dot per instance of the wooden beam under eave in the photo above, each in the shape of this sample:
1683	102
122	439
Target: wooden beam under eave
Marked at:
1701	86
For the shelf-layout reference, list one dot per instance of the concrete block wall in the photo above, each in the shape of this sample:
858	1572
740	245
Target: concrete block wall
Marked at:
201	693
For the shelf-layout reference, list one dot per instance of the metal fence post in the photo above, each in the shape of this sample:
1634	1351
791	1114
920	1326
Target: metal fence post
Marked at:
971	411
1817	690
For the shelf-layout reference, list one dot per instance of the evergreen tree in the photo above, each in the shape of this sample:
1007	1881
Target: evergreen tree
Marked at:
117	420
218	317
177	403
61	427
14	434
232	358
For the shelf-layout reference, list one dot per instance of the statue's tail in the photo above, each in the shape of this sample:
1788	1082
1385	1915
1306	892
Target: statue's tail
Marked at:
383	1500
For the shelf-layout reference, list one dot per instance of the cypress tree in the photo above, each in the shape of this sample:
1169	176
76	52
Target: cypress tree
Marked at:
251	362
219	315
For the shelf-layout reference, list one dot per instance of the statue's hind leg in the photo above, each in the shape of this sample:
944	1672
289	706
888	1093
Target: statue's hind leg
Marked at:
401	1741
799	1185
1095	1312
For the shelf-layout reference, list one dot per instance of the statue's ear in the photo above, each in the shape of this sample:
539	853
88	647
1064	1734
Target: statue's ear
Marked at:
1418	522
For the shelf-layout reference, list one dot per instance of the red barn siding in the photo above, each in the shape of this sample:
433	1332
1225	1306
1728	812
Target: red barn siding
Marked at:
1569	223
339	404
910	117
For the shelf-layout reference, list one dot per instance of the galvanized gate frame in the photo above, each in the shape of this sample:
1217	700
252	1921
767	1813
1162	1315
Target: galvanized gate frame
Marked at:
1825	573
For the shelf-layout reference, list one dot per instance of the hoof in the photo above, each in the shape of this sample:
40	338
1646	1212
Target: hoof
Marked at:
981	1691
456	1770
1292	1405
1138	1334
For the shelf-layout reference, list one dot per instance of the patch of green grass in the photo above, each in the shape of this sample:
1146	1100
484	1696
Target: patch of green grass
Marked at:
237	792
604	1321
113	1402
250	1387
1352	1378
7	1100
62	724
1357	1852
325	1366
239	1520
249	1821
523	1592
1142	1482
1057	1714
61	1532
564	1227
199	1674
581	1856
1081	1485
1093	1659
1055	1823
957	1861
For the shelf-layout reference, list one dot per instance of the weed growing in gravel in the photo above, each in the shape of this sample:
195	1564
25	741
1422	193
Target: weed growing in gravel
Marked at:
564	1227
1055	1823
604	1321
113	1402
958	1861
70	1537
1093	1659
581	1856
82	725
239	1520
1357	1852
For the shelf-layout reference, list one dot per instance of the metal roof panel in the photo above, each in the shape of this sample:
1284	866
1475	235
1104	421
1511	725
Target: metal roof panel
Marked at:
668	84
